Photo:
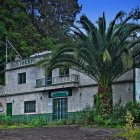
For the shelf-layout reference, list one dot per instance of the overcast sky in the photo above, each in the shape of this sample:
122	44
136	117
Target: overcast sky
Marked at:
94	8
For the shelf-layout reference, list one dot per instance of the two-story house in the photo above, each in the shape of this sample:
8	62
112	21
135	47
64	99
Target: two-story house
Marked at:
28	92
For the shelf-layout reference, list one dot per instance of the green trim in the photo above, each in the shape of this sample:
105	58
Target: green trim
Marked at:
47	117
134	84
59	94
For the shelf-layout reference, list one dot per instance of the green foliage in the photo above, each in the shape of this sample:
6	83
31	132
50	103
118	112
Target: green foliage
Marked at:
86	116
127	60
131	132
97	102
99	119
2	116
134	108
7	120
37	123
131	129
62	122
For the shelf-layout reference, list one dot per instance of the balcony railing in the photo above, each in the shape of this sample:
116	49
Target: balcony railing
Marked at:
57	80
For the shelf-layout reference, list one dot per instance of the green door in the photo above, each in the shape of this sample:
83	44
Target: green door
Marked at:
9	109
59	109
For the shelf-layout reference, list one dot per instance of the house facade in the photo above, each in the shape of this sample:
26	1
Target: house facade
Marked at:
28	92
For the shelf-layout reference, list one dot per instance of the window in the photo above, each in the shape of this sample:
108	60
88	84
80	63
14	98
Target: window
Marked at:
22	78
29	106
63	72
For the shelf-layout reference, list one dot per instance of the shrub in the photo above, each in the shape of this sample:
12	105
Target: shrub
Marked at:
131	129
25	121
2	116
85	116
62	122
7	120
73	120
59	122
99	119
134	108
37	123
118	115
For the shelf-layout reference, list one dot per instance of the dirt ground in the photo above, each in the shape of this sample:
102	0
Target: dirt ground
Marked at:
59	133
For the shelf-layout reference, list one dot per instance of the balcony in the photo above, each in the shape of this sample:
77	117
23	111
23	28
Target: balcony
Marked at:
58	80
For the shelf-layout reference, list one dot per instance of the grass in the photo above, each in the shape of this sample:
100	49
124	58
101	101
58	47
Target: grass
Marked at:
123	134
14	126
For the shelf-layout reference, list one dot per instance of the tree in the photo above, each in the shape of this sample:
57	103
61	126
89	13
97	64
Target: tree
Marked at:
135	13
104	54
30	27
51	16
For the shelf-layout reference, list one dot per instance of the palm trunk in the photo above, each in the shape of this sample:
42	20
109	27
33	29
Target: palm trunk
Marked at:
105	97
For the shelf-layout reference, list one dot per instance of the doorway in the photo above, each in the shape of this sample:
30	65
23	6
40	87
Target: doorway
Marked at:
9	109
59	109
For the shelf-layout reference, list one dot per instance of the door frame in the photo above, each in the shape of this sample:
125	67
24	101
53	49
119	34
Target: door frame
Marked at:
10	108
59	98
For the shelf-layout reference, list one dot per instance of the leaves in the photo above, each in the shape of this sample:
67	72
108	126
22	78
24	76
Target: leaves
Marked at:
106	56
127	60
102	54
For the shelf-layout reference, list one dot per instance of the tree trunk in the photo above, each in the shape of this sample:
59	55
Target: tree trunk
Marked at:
105	99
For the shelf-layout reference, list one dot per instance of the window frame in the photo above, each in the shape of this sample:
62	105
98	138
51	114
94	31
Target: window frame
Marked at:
22	78
28	107
64	72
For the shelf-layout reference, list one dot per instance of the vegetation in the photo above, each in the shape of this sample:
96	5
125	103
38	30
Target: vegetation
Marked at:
88	117
34	26
104	54
131	130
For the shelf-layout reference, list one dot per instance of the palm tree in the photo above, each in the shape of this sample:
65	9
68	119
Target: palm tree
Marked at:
104	54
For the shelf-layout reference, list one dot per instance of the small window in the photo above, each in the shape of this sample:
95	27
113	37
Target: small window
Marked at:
63	72
22	78
29	106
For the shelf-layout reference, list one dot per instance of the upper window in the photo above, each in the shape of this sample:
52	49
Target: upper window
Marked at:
29	106
63	71
22	78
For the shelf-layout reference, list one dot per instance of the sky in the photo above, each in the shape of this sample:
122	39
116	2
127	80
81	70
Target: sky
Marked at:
93	9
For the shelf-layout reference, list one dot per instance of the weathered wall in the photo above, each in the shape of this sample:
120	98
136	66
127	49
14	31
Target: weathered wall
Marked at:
137	84
18	103
81	97
123	90
32	73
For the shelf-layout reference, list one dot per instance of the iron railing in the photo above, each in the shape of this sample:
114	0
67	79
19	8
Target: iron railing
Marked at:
57	80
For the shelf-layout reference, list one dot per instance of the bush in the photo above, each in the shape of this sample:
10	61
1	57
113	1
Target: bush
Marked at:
85	116
7	120
2	116
99	119
37	123
131	129
62	122
134	108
